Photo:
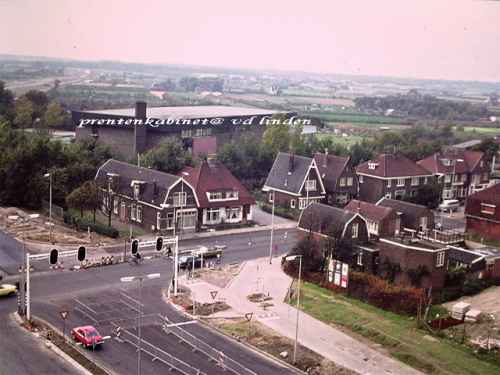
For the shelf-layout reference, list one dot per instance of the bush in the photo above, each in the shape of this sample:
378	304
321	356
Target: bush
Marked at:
82	224
287	213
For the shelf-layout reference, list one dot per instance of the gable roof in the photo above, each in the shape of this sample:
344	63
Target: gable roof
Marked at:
211	176
330	168
462	161
391	166
289	172
321	218
369	211
129	173
404	207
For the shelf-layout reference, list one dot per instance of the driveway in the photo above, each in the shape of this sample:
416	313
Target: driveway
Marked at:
263	218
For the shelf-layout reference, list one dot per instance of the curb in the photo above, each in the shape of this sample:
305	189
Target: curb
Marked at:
221	333
97	363
54	348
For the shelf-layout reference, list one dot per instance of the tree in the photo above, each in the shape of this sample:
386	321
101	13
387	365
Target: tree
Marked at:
53	116
427	195
76	200
168	156
6	102
24	113
489	147
277	136
91	194
40	100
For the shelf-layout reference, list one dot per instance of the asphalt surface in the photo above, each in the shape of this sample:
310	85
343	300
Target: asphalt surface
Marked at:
105	302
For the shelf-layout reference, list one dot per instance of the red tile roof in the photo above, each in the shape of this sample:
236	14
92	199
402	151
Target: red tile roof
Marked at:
331	167
369	211
466	161
489	195
213	176
392	165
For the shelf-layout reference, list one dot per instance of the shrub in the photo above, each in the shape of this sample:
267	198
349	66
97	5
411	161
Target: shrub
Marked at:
83	224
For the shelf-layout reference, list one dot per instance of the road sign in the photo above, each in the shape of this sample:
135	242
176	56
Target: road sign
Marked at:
213	293
64	314
248	316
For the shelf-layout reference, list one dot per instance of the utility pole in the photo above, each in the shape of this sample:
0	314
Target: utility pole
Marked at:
272	230
110	203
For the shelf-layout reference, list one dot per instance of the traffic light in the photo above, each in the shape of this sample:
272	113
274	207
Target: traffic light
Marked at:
159	243
134	246
81	253
54	254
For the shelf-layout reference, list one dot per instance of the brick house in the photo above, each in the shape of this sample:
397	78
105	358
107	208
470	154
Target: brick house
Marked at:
293	182
153	200
339	178
221	196
482	213
412	216
201	129
420	263
392	176
459	172
382	221
324	221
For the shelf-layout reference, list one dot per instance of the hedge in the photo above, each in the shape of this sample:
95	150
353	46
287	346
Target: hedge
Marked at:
83	225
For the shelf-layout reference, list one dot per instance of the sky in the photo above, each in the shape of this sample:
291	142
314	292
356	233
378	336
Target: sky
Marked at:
437	39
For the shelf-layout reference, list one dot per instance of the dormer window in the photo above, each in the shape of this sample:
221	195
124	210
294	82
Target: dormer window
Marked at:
372	165
310	185
137	189
446	162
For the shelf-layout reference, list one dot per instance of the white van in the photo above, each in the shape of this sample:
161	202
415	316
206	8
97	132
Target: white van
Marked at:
449	205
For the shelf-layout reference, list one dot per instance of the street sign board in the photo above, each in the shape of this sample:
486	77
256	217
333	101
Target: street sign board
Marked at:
338	273
213	293
64	314
248	316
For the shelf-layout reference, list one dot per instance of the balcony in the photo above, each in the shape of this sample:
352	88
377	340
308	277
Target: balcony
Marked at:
446	237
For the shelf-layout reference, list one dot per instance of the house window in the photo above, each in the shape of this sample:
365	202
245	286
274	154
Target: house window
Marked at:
414	181
423	222
447	194
310	185
232	195
373	227
187	219
303	203
139	214
158	221
440	259
401	182
116	205
292	203
426	180
359	259
447	178
271	197
133	211
360	179
186	133
122	210
199	132
399	194
136	191
349	181
488	209
372	165
355	230
485	176
213	215
180	199
170	220
215	196
342	181
388	183
233	213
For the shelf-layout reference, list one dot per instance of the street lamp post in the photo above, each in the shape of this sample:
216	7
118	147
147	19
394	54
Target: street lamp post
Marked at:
49	175
272	230
294	257
139	279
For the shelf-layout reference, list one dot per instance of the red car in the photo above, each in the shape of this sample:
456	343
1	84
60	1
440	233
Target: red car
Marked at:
87	335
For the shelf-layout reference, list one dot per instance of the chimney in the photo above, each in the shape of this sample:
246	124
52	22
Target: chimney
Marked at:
140	110
291	163
155	189
212	159
325	160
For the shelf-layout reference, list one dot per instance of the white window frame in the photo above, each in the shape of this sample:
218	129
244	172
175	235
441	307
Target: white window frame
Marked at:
292	203
179	199
415	181
355	230
209	215
389	183
488	209
401	182
139	213
342	181
350	181
359	259
360	178
310	185
133	208
271	196
447	178
440	259
116	205
303	203
136	191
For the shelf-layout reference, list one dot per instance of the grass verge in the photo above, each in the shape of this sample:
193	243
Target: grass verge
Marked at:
397	334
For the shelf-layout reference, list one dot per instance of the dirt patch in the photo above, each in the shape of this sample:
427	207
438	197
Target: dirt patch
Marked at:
267	340
219	276
202	309
32	226
258	298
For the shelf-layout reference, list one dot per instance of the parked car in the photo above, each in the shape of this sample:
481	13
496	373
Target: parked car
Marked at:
7	290
88	336
449	205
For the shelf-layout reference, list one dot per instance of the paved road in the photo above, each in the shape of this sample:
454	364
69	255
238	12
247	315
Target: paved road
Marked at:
100	288
21	352
453	221
11	254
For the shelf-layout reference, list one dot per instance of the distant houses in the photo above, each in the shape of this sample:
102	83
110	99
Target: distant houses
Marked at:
482	213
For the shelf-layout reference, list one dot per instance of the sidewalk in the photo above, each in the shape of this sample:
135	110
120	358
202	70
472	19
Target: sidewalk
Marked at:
259	276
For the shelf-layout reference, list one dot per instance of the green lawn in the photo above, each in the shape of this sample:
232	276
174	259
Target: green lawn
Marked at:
397	334
346	141
483	130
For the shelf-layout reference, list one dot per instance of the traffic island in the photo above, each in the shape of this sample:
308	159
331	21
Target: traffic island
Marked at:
63	346
266	340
